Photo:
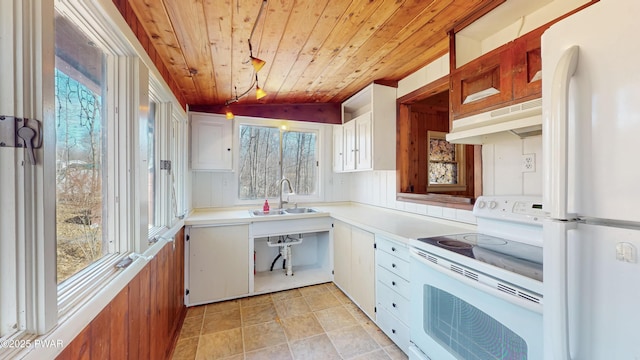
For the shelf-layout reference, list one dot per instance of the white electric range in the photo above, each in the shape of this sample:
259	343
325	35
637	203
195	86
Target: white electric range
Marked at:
479	295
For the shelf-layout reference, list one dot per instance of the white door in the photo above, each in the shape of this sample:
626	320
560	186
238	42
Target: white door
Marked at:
603	110
211	140
363	270
218	263
349	129
338	148
364	142
342	255
604	274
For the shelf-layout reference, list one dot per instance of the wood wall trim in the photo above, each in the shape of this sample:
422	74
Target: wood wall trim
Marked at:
423	92
326	113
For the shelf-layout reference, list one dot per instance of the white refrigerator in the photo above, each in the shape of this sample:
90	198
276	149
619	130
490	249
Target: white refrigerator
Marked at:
591	170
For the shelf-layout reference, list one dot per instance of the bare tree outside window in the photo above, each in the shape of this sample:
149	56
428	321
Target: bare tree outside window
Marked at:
260	161
79	151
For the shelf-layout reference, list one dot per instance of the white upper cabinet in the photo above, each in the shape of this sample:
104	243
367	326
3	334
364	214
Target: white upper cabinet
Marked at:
211	142
368	132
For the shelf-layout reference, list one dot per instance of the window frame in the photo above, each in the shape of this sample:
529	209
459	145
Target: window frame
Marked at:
461	183
126	79
290	126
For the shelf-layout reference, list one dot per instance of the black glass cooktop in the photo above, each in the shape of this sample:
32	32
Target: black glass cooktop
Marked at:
517	257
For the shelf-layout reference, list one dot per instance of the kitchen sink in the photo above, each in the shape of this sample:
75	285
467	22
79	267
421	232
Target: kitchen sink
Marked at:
268	213
300	210
276	212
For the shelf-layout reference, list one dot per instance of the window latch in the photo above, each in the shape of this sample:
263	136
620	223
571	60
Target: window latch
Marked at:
125	262
165	165
21	132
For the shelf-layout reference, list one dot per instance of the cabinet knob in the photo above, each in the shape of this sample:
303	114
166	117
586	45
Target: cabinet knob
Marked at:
393	265
393	331
393	249
393	283
394	305
228	149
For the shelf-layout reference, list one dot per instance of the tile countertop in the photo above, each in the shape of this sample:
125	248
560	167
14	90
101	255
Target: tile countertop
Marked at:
394	224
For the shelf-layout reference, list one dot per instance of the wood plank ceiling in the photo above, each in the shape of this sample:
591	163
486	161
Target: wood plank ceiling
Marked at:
315	50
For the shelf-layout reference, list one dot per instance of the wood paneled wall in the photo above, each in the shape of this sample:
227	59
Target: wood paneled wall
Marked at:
143	321
136	26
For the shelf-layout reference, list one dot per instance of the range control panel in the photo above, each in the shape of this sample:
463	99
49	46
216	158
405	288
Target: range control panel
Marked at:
525	209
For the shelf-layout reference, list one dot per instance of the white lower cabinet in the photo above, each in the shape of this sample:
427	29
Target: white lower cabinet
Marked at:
230	261
392	290
354	265
218	263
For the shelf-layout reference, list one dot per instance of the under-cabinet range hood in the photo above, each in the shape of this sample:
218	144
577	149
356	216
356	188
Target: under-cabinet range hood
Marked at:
523	120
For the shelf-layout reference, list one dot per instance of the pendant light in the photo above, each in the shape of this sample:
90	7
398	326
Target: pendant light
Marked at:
259	92
257	65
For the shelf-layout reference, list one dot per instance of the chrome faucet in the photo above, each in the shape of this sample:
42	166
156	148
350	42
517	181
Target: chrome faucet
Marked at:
280	183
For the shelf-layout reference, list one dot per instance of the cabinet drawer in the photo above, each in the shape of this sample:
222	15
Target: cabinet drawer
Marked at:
393	281
396	330
393	302
393	264
392	247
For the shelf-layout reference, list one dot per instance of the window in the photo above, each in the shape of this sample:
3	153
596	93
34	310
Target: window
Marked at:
89	99
445	166
269	153
431	170
80	156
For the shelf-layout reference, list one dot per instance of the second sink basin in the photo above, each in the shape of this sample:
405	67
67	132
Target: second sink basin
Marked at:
300	210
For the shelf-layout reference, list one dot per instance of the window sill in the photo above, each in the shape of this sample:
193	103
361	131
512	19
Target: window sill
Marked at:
449	201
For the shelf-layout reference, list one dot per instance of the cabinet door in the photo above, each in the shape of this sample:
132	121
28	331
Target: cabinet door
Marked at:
218	263
364	142
363	270
349	162
342	255
338	148
211	140
483	83
527	66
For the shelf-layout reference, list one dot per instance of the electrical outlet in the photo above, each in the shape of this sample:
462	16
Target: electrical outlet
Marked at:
529	163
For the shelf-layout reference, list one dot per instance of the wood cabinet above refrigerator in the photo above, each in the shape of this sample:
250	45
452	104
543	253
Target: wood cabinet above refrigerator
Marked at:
505	76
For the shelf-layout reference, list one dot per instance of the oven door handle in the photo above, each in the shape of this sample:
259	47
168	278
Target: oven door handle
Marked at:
421	257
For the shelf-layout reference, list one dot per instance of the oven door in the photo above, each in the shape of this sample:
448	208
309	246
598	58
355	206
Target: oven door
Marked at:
455	317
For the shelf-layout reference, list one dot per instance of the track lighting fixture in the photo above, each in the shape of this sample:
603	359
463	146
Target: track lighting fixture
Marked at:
257	65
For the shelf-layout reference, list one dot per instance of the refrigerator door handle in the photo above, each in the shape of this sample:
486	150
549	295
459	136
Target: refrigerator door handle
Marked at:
558	132
556	285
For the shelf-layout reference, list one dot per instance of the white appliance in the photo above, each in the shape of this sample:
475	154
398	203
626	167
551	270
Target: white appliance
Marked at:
591	122
478	295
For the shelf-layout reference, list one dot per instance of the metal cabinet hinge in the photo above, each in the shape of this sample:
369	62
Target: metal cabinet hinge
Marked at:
186	292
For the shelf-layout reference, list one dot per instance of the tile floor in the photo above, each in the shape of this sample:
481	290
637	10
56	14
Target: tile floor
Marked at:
314	322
